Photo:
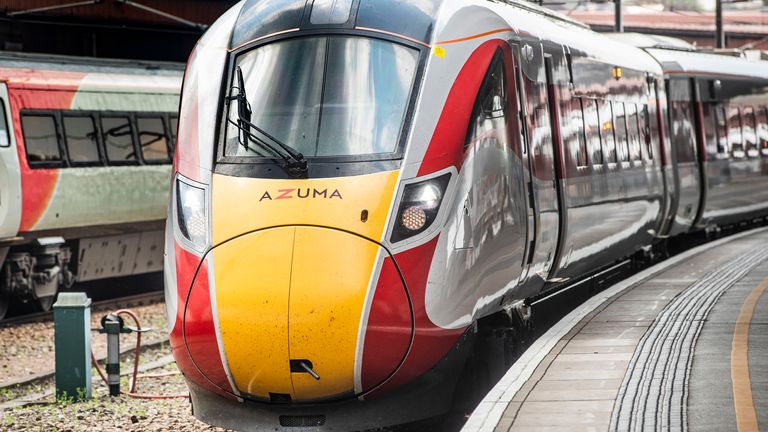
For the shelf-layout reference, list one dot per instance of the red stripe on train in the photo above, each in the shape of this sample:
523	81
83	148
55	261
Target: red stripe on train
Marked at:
446	148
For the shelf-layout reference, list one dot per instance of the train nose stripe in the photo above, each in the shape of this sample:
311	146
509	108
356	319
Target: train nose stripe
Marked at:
292	293
252	277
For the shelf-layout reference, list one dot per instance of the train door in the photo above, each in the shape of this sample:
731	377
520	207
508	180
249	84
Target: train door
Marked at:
554	97
684	153
10	177
10	184
538	156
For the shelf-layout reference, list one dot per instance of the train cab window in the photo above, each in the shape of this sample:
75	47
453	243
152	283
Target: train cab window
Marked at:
722	132
620	126
592	131
326	102
762	130
734	133
488	122
81	139
5	137
748	130
41	138
607	131
633	132
118	139
152	138
579	148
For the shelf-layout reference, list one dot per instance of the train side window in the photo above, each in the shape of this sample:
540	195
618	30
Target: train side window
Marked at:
607	131
152	138
748	130
620	126
762	130
487	124
592	131
645	129
577	126
118	138
81	139
41	138
722	132
633	132
709	118
5	137
734	133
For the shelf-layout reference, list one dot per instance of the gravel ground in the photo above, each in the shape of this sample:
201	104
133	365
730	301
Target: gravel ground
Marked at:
106	413
27	349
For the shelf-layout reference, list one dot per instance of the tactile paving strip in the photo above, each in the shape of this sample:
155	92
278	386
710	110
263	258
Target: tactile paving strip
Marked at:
654	393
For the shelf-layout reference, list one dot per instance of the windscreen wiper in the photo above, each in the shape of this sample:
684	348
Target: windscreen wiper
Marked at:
292	159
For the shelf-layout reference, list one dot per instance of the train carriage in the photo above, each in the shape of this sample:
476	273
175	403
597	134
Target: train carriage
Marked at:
85	152
360	186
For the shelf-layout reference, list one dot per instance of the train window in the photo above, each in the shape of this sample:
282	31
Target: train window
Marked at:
762	130
118	138
80	136
607	131
710	129
152	138
734	133
488	121
633	132
722	131
577	128
683	131
620	126
645	129
40	137
325	101
5	137
592	131
748	130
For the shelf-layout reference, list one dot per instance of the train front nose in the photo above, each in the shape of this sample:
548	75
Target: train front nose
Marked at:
291	301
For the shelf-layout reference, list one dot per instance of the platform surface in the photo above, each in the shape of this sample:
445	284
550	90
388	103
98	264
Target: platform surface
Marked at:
680	346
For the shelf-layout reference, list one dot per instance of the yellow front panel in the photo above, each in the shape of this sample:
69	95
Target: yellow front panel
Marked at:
242	205
252	276
329	280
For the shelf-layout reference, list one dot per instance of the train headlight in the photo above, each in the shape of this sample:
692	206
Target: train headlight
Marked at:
191	213
419	207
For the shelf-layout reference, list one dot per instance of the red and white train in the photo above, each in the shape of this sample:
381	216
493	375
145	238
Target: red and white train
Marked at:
358	184
85	151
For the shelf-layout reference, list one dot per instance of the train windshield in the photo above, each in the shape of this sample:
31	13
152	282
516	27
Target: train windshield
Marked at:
326	96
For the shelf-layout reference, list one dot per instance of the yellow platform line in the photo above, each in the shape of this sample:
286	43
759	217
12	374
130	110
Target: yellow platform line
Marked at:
746	416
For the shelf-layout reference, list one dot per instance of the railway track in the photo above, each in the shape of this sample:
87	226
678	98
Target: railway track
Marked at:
97	306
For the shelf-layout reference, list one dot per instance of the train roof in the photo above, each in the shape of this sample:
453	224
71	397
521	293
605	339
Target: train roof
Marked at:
413	19
89	74
677	56
642	40
87	64
702	63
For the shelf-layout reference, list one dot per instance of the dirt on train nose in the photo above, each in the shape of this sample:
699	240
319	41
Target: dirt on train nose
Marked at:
288	303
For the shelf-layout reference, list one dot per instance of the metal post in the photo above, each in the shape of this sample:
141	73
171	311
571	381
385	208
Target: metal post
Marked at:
619	27
72	339
719	33
112	326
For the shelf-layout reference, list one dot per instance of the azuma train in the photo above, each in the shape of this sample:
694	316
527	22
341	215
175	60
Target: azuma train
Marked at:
358	184
85	161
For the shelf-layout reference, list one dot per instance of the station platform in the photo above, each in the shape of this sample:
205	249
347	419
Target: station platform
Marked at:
680	346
